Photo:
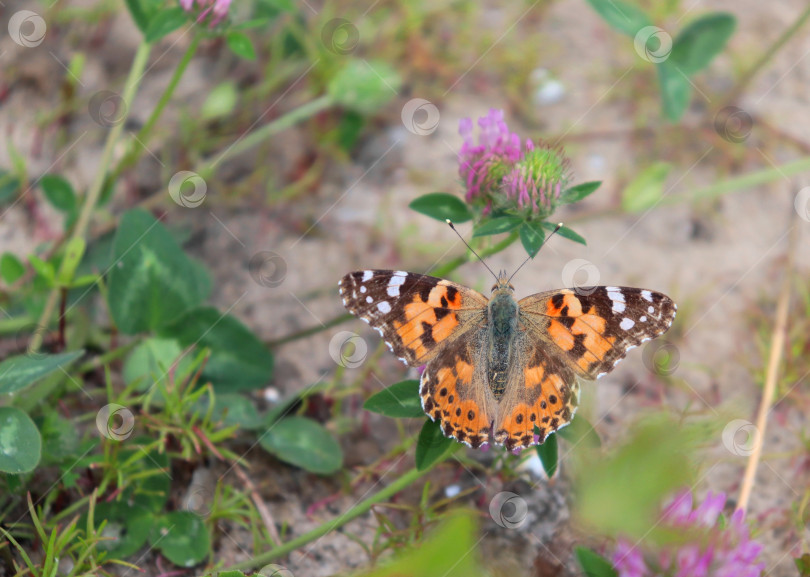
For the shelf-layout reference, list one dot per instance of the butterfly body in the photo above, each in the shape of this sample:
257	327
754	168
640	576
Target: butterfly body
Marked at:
500	370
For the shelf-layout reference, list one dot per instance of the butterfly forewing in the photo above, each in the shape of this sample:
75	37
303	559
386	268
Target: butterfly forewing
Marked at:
413	313
594	327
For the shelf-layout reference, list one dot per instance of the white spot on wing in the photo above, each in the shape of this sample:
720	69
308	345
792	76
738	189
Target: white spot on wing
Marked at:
396	279
600	375
650	309
363	289
627	324
369	300
393	290
618	307
647	296
367	274
400	273
384	307
643	319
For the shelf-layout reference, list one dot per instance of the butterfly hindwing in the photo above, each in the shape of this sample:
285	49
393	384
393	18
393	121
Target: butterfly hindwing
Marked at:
455	391
594	327
415	314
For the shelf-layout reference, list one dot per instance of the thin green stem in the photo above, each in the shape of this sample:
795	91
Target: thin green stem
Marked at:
138	145
261	134
359	509
741	182
93	194
452	265
106	358
339	320
767	56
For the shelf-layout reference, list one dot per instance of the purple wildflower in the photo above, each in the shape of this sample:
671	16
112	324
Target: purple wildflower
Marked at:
217	9
715	551
501	169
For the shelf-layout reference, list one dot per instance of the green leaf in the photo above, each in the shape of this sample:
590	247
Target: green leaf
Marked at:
126	530
364	86
11	268
142	11
580	433
165	22
60	438
647	189
43	268
548	453
20	443
532	237
220	102
593	564
74	251
22	370
400	400
150	362
182	537
450	550
565	232
621	493
675	91
59	192
9	186
239	360
431	445
231	409
701	40
580	191
803	565
152	281
441	206
241	45
304	443
621	16
497	225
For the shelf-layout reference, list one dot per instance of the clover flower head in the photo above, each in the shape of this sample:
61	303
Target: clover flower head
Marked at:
217	9
500	169
717	551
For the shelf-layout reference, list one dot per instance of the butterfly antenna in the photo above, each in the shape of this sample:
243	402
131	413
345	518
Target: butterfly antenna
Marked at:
448	221
553	232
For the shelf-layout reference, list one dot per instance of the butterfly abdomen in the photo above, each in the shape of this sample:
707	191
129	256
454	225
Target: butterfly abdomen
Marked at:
503	323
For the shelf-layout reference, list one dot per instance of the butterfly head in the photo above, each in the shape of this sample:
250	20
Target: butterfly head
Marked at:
503	284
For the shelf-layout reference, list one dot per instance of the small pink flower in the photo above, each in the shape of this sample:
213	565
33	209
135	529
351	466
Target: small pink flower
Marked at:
218	9
711	551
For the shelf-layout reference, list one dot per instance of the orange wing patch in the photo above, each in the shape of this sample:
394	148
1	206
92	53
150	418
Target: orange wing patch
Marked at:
445	398
429	322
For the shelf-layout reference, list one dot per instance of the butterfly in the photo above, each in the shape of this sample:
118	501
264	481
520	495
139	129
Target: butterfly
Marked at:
498	370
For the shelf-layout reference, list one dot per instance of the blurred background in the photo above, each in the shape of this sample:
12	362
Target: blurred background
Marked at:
280	144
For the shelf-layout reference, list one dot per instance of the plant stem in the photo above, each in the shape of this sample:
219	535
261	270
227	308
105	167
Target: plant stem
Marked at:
137	146
774	360
262	133
310	331
90	200
444	270
745	181
767	56
106	358
359	509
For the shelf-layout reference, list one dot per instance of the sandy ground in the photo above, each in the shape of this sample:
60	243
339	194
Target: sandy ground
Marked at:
716	259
